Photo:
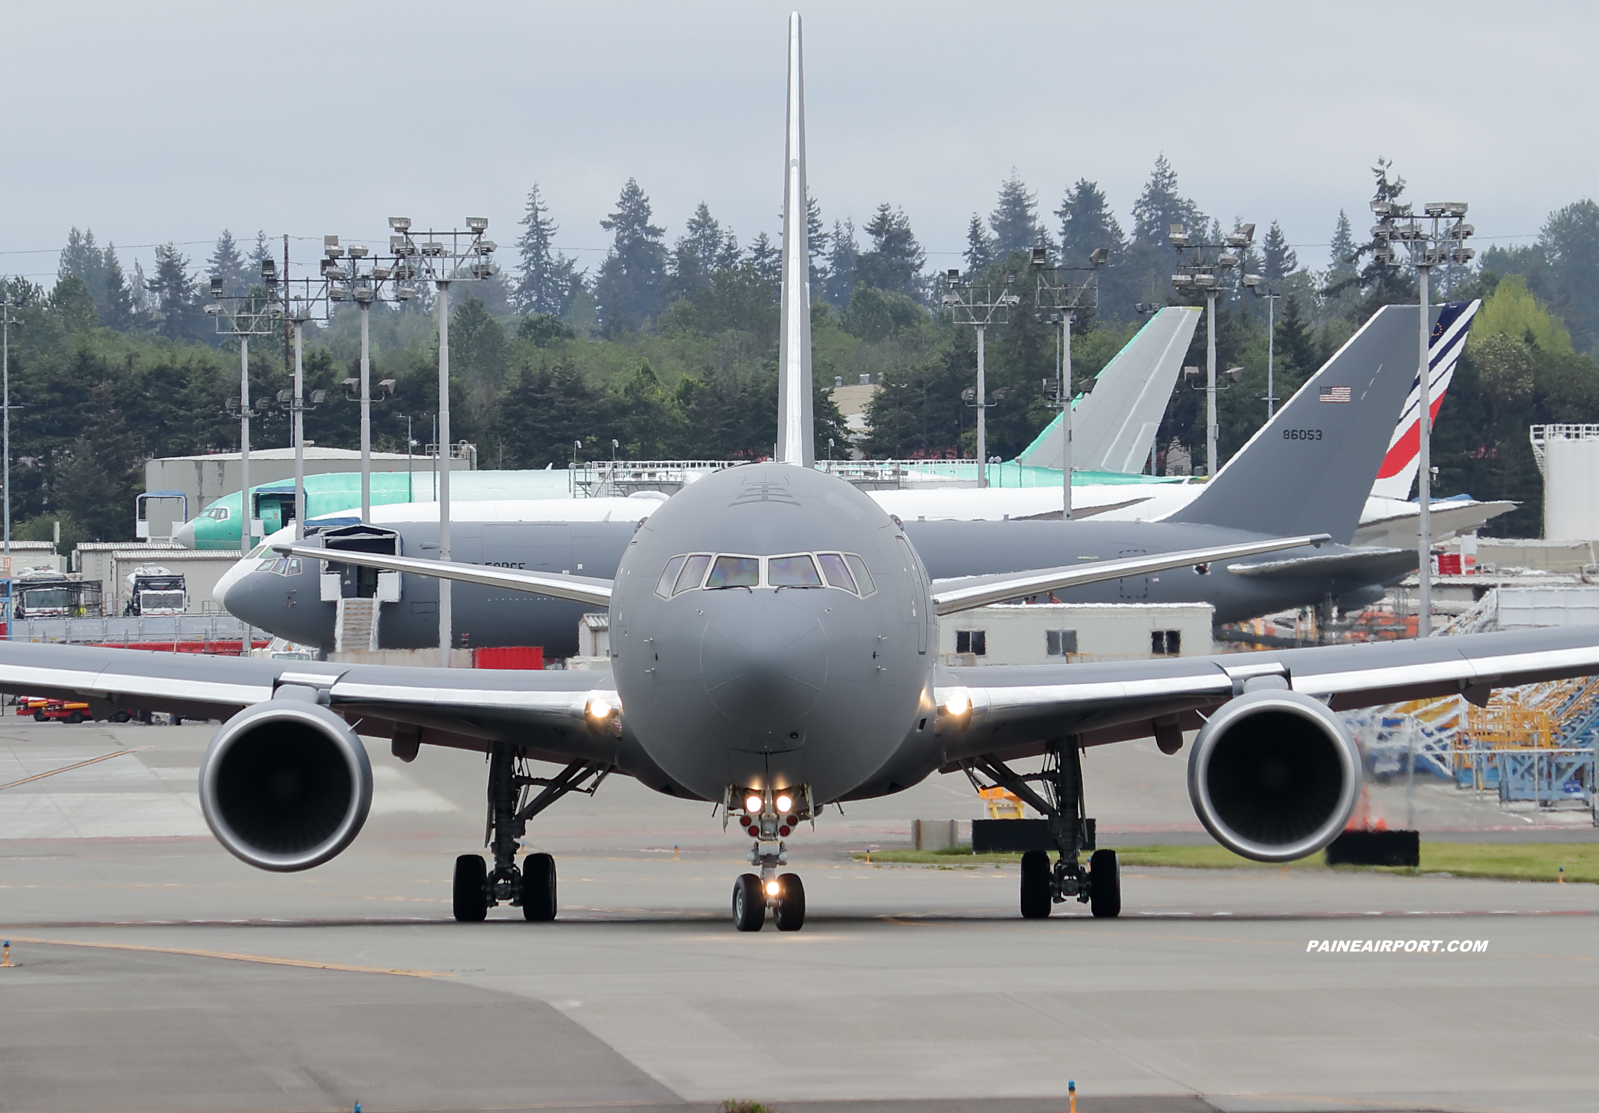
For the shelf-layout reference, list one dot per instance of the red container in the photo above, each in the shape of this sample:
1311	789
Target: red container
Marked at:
1449	564
509	657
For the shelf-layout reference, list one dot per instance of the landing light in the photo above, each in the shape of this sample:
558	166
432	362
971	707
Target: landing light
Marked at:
784	803
600	707
752	804
959	702
773	888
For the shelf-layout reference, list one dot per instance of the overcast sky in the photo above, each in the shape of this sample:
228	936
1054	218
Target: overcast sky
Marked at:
171	121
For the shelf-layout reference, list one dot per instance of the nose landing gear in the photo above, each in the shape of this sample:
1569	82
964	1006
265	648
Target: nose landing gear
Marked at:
512	803
1061	803
766	817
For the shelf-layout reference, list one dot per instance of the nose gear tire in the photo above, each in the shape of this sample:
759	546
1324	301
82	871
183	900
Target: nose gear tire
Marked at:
470	896
538	888
1105	884
790	912
749	903
1035	885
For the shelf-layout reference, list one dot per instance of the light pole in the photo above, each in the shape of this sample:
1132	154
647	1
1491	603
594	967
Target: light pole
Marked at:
246	315
442	258
1206	271
1442	241
1271	297
1057	291
6	321
979	312
293	400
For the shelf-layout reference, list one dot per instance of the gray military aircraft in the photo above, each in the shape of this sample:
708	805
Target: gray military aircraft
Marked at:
771	652
1304	472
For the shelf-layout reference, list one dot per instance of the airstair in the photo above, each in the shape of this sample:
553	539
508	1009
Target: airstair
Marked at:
357	625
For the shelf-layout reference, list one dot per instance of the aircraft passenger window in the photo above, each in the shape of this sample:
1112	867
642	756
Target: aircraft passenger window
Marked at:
734	571
791	571
663	586
862	576
693	572
836	571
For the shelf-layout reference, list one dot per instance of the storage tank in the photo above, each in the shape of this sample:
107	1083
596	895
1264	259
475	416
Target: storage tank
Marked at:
1568	457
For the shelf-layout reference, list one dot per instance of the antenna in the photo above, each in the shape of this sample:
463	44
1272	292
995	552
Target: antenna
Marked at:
795	428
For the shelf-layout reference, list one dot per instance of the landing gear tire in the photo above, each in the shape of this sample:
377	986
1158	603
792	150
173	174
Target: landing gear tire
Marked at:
120	716
538	888
749	903
1105	884
790	912
470	900
1035	885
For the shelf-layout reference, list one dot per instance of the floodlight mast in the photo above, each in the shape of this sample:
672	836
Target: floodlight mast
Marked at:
443	258
302	309
6	321
1443	242
1068	291
254	313
979	312
1206	270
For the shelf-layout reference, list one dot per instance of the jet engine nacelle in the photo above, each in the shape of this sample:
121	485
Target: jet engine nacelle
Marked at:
285	785
1274	775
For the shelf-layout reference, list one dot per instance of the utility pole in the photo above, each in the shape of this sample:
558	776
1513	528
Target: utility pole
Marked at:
442	257
1057	291
979	312
6	321
1441	242
1206	271
293	400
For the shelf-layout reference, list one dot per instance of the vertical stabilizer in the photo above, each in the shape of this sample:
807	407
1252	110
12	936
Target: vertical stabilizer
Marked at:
1113	427
1309	469
795	430
1397	476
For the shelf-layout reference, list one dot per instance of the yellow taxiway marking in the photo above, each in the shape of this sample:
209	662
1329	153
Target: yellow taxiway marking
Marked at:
233	956
69	768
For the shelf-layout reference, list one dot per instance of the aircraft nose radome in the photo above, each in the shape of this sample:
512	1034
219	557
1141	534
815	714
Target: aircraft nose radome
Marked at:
764	662
183	536
240	600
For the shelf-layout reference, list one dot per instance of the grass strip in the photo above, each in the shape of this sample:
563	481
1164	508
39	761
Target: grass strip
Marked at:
1504	861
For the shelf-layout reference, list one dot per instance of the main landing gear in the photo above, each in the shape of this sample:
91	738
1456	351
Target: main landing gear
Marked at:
512	803
767	817
1061	803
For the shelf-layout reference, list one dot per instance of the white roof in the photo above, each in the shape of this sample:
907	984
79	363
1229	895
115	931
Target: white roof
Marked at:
312	452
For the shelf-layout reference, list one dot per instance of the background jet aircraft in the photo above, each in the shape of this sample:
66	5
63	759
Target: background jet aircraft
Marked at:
771	652
1303	473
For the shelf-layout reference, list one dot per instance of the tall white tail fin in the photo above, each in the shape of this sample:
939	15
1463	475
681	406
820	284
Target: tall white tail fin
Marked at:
796	441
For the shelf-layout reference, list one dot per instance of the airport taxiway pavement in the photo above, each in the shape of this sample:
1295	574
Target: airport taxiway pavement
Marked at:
154	971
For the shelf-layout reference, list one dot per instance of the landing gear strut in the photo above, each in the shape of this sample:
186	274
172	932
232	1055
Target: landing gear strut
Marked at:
1061	803
512	803
766	817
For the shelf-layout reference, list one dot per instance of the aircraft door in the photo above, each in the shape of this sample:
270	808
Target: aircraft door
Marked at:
1133	588
916	601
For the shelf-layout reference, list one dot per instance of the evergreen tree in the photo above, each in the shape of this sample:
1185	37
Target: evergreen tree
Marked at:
101	472
81	258
895	260
227	263
1380	283
979	253
694	256
1568	277
629	284
1086	223
1015	218
73	305
546	281
843	255
1160	206
816	242
260	253
139	292
766	260
116	303
1341	261
477	344
172	289
1279	260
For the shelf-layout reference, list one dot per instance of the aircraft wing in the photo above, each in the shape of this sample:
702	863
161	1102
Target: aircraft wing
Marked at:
579	589
969	592
562	715
1013	708
1377	566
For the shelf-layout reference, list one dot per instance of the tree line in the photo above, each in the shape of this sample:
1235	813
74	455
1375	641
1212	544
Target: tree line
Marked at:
669	347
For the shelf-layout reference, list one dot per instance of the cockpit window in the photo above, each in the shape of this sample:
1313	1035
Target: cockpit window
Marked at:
693	572
735	571
863	578
791	571
218	513
663	586
836	571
